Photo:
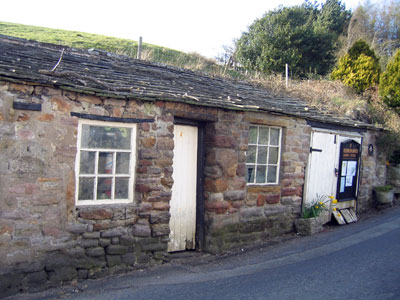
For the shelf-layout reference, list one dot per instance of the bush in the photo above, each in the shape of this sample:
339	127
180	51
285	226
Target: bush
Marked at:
359	68
389	85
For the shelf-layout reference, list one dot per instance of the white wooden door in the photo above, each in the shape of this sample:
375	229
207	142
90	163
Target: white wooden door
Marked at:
183	203
321	179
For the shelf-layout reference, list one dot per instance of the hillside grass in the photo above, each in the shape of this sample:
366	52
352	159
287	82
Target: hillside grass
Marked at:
120	46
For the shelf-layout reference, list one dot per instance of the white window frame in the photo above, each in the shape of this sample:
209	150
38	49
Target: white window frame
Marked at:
132	164
277	165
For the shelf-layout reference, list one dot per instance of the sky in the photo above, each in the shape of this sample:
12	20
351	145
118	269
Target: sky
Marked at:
201	26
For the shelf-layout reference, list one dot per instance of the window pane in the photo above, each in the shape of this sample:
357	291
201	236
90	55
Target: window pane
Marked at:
104	188
253	135
262	155
273	155
260	177
122	166
251	154
85	188
121	188
105	163
250	173
87	162
271	174
274	136
106	137
263	136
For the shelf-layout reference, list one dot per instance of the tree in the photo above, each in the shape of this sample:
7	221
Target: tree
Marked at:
379	25
359	68
389	85
302	36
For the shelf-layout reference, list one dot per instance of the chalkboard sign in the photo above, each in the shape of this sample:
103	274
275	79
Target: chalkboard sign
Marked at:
348	171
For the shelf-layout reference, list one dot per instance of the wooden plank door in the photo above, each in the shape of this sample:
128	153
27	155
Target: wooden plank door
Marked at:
321	178
183	203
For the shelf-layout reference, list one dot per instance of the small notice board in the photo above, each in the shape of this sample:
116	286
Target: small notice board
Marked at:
348	170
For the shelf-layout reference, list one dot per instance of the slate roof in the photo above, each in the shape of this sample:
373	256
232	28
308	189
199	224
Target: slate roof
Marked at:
101	73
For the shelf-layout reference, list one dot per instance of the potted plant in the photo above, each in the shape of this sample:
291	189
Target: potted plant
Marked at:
384	194
314	215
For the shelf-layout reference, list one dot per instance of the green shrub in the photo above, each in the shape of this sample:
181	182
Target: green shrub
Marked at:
389	85
359	68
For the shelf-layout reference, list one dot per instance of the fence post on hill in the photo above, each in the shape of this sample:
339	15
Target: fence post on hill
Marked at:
287	75
139	51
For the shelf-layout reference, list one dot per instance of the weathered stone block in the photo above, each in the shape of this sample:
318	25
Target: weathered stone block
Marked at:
99	214
140	230
127	240
215	186
249	213
117	249
76	228
160	230
159	217
113	260
83	273
114	232
63	274
217	207
104	242
97	251
273	199
128	259
234	195
91	235
156	246
87	243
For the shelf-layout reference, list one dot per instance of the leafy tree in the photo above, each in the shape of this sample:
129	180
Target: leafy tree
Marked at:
379	25
389	85
359	68
302	36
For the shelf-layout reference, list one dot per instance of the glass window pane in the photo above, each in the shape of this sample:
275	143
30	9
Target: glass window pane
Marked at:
271	178
122	165
121	187
260	175
87	162
273	155
85	188
262	155
250	173
275	136
263	140
253	135
106	137
105	163
251	154
104	188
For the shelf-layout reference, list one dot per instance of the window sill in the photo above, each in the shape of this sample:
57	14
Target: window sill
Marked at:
273	188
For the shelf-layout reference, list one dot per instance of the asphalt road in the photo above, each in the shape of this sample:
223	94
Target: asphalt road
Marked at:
355	261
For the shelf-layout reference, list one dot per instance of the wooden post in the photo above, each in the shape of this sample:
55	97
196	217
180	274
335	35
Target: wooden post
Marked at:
287	75
139	52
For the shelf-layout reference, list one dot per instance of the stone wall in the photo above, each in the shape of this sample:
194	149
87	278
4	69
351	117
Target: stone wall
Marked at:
235	212
373	171
46	240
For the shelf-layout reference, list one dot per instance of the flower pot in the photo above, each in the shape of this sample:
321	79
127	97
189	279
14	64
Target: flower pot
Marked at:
308	226
384	197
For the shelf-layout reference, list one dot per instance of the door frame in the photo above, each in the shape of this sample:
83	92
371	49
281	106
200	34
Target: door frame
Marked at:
339	134
200	203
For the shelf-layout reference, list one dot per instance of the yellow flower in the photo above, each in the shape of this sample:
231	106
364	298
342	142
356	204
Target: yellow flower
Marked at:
334	201
339	215
316	206
334	209
331	197
320	203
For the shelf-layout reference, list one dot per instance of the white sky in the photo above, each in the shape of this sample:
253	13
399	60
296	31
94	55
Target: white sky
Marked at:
201	26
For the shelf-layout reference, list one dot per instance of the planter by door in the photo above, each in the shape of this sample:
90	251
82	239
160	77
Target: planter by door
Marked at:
183	201
308	226
384	197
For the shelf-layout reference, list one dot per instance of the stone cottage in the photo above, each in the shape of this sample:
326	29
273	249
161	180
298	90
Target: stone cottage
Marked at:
108	163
